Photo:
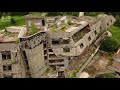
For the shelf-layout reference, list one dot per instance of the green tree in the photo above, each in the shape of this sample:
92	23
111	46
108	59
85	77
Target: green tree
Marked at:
13	21
62	13
33	29
93	13
117	23
109	45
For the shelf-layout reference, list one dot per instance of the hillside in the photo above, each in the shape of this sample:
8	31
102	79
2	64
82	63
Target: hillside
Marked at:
116	33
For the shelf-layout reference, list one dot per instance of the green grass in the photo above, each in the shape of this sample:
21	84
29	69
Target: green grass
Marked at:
109	75
20	20
33	30
115	33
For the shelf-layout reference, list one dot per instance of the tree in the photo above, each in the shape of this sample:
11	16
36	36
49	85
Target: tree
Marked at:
109	75
109	45
13	21
117	23
62	13
17	13
93	13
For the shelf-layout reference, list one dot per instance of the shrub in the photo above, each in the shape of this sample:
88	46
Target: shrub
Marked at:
33	29
117	23
109	45
109	75
13	21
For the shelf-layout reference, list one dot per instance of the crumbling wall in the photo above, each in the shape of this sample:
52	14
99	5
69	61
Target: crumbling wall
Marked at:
14	61
36	61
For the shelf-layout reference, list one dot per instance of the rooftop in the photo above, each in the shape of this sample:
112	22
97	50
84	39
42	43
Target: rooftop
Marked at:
72	24
10	34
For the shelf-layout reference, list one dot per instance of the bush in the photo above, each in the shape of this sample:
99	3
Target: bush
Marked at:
109	45
13	21
93	13
110	75
117	23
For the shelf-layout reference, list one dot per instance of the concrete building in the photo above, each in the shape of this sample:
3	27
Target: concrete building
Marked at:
58	40
11	63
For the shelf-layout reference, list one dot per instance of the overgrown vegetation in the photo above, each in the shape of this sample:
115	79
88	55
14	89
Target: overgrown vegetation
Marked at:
115	33
33	29
93	13
91	70
12	21
109	75
72	75
109	45
112	44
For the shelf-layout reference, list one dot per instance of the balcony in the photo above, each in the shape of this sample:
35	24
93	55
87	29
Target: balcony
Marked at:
58	63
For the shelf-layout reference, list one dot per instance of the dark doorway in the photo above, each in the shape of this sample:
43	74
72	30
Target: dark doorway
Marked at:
61	74
43	22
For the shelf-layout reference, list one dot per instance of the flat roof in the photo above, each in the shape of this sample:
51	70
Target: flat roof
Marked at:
11	34
71	29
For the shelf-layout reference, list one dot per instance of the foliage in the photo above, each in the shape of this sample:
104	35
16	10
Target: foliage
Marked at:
91	70
93	13
17	41
12	20
117	23
17	21
62	13
70	22
110	75
33	29
73	75
115	33
17	13
13	61
109	45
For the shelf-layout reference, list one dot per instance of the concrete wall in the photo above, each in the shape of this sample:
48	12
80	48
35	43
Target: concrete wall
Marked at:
36	60
17	70
36	21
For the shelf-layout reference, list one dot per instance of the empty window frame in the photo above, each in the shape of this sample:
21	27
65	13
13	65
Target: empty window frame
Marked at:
95	32
89	38
65	41
6	76
43	22
81	45
111	21
54	42
50	50
44	45
6	55
7	68
45	52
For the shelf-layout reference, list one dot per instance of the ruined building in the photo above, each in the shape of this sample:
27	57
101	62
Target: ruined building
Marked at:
48	42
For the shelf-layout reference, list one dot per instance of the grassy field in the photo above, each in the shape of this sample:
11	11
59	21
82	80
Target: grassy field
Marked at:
116	33
20	20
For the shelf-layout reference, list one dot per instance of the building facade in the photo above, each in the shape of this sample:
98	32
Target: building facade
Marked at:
58	41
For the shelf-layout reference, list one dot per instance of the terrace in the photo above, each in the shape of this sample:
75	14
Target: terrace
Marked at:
10	34
80	34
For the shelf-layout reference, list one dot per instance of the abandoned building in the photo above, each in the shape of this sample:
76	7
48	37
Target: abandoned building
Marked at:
56	42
